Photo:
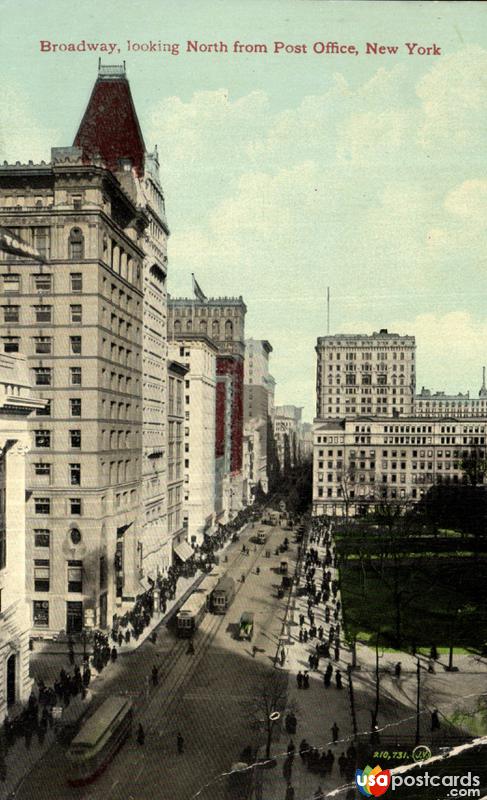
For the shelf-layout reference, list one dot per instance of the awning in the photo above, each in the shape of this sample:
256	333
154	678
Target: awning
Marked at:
183	550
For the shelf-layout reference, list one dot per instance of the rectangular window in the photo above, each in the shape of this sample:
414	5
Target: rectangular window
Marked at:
41	575
43	283
42	505
42	469
46	411
76	281
11	344
42	438
42	537
43	314
75	474
75	406
11	284
75	315
41	613
75	376
75	344
75	506
41	241
10	314
43	345
75	439
75	576
42	376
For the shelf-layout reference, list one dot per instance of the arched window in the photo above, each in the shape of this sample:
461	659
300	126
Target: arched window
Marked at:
76	244
203	326
177	326
228	329
189	325
105	248
215	329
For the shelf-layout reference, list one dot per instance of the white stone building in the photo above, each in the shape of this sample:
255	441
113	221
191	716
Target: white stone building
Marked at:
361	374
16	403
198	353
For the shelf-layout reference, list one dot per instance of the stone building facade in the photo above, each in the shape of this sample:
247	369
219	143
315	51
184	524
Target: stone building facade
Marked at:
198	353
359	374
176	541
258	404
361	463
16	404
91	320
223	320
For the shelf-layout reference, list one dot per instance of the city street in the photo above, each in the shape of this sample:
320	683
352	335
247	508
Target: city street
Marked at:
202	696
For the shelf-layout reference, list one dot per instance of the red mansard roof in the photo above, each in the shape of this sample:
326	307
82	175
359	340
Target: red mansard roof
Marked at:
110	126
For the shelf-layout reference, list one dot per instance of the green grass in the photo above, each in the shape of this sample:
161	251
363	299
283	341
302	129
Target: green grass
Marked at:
432	591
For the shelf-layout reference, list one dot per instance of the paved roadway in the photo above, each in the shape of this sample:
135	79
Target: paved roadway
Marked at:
204	696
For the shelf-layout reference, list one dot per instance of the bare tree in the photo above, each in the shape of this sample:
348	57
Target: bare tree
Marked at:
266	707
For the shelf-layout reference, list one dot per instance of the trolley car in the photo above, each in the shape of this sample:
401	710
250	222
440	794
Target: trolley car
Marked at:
100	737
190	615
207	585
222	595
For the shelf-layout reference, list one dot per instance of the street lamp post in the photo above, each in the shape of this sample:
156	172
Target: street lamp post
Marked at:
418	697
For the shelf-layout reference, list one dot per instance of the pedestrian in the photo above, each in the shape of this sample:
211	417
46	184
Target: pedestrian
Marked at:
190	649
397	670
305	636
338	679
140	735
337	652
299	679
306	680
434	653
254	650
334	732
301	620
330	760
311	660
289	792
283	657
320	633
180	743
435	720
431	665
342	765
120	639
300	636
287	769
291	749
303	749
114	654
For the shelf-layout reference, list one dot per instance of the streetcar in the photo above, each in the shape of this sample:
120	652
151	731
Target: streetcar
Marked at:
207	585
222	595
190	615
99	739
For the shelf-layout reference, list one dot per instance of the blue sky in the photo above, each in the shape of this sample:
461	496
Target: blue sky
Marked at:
285	174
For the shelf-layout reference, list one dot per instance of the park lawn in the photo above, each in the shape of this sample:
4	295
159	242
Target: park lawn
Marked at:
429	592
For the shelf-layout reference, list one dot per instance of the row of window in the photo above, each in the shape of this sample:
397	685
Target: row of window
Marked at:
43	314
42	576
42	282
42	506
44	470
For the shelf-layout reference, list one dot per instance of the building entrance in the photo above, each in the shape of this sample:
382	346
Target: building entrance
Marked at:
74	617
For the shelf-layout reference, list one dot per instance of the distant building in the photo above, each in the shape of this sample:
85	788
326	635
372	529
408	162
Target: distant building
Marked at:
258	405
360	374
287	421
176	543
198	353
440	404
360	463
223	320
16	404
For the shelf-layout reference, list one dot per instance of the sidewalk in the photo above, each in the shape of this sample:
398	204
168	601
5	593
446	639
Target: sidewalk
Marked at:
316	708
